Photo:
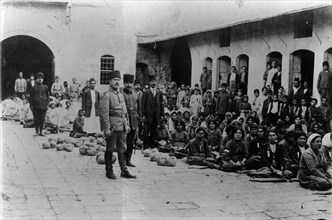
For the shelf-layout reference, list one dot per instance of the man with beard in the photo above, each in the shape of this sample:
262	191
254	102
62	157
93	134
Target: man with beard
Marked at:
91	108
114	123
132	100
39	99
152	111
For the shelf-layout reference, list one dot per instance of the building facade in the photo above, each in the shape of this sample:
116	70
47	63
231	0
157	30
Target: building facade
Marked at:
64	39
299	41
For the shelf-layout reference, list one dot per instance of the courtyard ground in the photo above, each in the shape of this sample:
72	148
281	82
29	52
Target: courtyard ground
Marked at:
50	184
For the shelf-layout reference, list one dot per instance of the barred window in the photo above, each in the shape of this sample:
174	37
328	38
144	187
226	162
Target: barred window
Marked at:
106	65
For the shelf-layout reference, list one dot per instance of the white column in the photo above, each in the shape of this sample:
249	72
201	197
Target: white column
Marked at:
214	73
319	58
285	72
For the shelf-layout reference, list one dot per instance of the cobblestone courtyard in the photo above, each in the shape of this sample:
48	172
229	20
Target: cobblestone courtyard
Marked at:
50	184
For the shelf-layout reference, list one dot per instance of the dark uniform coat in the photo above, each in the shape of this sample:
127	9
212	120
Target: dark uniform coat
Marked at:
132	99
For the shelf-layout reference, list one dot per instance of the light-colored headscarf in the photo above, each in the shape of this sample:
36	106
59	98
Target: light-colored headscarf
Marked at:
312	137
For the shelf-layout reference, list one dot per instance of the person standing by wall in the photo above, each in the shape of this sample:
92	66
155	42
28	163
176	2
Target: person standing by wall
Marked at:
39	99
271	73
152	112
114	123
204	79
209	81
324	83
276	80
224	102
244	79
56	87
74	89
20	85
266	73
132	99
91	109
30	83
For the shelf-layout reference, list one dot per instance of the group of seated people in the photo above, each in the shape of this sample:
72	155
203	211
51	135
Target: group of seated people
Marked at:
259	150
277	138
226	131
60	114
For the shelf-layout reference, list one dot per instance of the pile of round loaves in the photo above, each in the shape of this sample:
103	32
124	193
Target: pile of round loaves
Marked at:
89	146
162	159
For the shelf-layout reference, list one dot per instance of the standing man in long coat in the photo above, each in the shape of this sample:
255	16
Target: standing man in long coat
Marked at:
132	99
114	123
152	111
39	99
91	109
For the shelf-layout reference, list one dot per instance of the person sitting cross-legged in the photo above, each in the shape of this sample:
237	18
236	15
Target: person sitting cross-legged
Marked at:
236	152
314	172
199	152
179	138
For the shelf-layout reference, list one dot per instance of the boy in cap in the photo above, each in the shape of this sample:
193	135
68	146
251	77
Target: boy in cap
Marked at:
39	99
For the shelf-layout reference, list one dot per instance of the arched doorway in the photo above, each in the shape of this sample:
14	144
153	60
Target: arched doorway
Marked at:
301	67
181	62
25	54
328	57
241	62
223	70
142	73
274	56
208	63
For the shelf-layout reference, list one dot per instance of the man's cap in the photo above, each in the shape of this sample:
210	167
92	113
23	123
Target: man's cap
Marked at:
114	74
128	78
40	75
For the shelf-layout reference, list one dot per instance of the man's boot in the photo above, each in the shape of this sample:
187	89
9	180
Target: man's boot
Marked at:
124	170
128	160
108	165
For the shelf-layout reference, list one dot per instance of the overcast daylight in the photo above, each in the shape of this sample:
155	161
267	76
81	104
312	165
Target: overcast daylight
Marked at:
166	109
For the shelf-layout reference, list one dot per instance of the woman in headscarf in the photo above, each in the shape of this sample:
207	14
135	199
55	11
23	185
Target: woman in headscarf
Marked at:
208	103
179	138
191	130
213	135
314	171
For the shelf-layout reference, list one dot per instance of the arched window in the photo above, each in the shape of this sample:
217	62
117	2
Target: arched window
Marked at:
106	65
207	62
223	70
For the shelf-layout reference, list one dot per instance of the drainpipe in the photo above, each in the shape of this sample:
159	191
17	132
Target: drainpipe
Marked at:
68	14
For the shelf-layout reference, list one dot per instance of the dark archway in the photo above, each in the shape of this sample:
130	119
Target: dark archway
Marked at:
274	56
181	62
302	64
25	54
142	73
223	69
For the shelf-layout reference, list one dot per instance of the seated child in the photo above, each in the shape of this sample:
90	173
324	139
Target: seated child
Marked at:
78	124
162	137
179	138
